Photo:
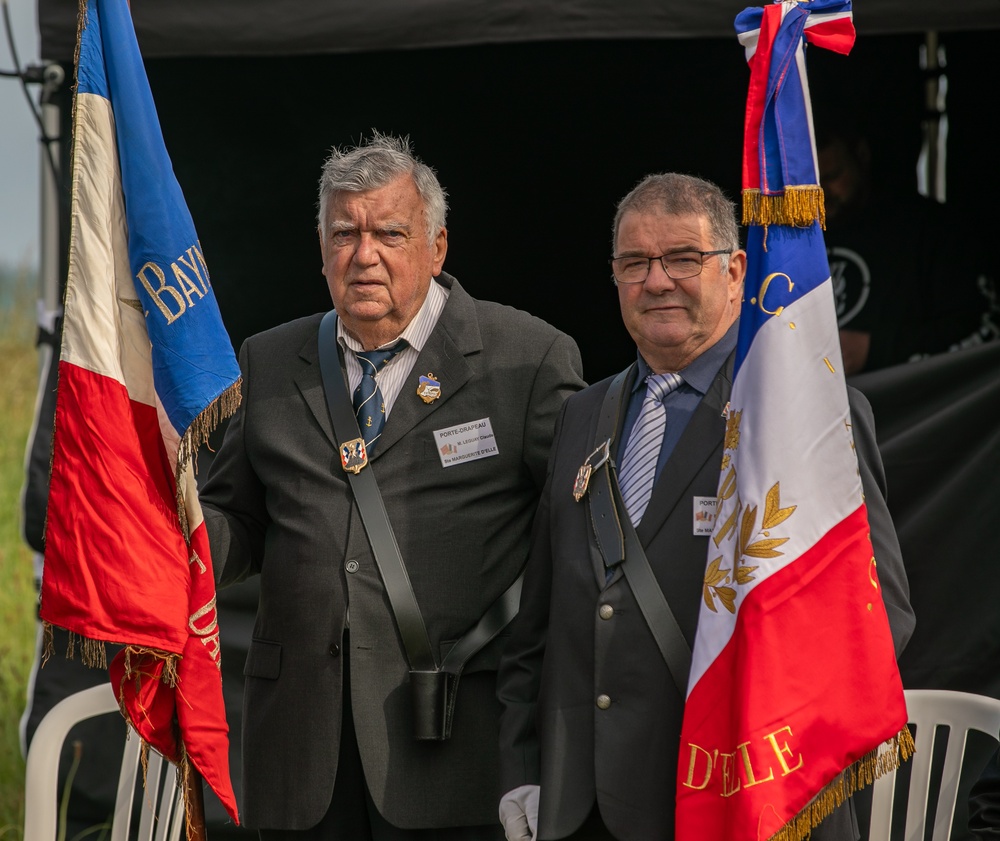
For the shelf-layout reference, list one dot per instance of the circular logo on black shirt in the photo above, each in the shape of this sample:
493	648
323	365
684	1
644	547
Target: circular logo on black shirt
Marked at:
851	282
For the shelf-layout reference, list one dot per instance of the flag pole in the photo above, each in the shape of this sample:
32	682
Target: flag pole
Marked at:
194	804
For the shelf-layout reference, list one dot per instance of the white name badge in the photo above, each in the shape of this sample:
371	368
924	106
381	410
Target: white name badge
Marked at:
466	442
705	509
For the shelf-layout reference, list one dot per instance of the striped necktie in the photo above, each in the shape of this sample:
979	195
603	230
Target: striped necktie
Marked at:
643	449
369	408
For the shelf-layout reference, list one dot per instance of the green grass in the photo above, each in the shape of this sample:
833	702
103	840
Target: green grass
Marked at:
18	385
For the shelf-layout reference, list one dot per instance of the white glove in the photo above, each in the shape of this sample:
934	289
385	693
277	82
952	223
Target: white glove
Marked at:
519	813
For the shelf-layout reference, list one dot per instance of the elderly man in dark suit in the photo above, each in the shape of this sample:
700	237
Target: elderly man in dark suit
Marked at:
456	403
590	730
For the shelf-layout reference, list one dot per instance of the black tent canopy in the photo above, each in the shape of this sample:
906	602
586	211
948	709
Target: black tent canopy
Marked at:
300	27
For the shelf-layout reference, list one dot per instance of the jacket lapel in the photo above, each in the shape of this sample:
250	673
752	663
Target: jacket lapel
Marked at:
309	381
455	336
617	449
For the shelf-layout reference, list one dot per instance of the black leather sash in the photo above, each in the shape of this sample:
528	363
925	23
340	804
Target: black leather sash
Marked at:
619	544
436	684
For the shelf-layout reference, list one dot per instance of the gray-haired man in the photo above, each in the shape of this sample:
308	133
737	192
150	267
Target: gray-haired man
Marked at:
329	745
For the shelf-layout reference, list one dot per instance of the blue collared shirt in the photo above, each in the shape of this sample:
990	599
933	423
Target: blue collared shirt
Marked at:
682	402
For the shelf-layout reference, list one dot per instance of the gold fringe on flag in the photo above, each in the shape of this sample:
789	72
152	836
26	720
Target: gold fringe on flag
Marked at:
93	653
188	780
799	206
133	670
861	774
224	406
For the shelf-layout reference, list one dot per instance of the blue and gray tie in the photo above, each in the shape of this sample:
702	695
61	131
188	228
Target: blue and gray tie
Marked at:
369	407
642	450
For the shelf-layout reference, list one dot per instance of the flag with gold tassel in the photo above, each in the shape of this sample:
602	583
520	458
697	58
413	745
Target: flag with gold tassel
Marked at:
146	372
794	698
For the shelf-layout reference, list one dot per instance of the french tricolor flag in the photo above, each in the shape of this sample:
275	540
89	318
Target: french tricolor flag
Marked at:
146	372
794	699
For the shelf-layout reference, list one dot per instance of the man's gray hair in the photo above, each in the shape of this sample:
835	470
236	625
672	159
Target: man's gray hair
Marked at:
676	194
373	164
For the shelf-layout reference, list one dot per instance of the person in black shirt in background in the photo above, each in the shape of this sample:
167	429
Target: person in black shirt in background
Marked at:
908	275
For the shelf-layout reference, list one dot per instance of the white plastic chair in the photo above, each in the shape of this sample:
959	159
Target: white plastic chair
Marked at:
161	817
930	709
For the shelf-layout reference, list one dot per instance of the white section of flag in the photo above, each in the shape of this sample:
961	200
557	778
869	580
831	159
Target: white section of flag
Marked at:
105	333
787	395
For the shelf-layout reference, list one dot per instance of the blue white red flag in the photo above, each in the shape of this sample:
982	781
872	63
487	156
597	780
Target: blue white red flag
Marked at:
146	372
794	699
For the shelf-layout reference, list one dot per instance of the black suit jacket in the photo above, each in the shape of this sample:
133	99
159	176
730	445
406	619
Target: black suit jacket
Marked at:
562	653
278	504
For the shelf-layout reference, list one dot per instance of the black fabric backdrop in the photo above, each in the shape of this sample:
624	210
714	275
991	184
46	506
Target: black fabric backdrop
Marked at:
534	142
938	425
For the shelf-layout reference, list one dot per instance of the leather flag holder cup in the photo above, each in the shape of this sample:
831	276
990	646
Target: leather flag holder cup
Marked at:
433	687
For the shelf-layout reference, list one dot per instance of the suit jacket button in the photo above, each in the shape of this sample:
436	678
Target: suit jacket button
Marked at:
352	566
603	702
334	650
606	611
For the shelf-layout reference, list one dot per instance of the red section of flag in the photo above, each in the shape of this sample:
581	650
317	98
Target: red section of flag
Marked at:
196	700
117	569
760	69
771	723
837	34
115	559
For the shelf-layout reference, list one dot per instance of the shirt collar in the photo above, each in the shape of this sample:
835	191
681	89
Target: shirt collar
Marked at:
701	372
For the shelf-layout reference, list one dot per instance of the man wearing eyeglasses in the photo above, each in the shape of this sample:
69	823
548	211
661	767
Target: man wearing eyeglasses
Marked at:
591	720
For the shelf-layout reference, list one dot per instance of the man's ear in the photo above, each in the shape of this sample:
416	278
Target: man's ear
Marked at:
440	249
737	274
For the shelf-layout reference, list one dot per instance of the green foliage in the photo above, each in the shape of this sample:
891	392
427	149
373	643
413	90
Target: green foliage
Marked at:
18	290
18	386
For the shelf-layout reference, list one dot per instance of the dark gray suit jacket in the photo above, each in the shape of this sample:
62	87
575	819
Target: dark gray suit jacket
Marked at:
561	653
277	503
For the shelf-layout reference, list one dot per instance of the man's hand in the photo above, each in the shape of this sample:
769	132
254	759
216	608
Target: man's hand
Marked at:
519	813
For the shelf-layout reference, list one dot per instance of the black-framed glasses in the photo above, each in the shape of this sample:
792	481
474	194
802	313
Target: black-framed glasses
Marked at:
679	265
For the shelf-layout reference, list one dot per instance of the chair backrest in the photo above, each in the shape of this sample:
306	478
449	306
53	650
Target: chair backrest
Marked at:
161	817
928	710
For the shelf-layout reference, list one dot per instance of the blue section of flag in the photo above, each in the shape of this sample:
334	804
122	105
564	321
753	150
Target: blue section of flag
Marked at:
193	359
749	19
792	265
785	135
90	76
785	142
